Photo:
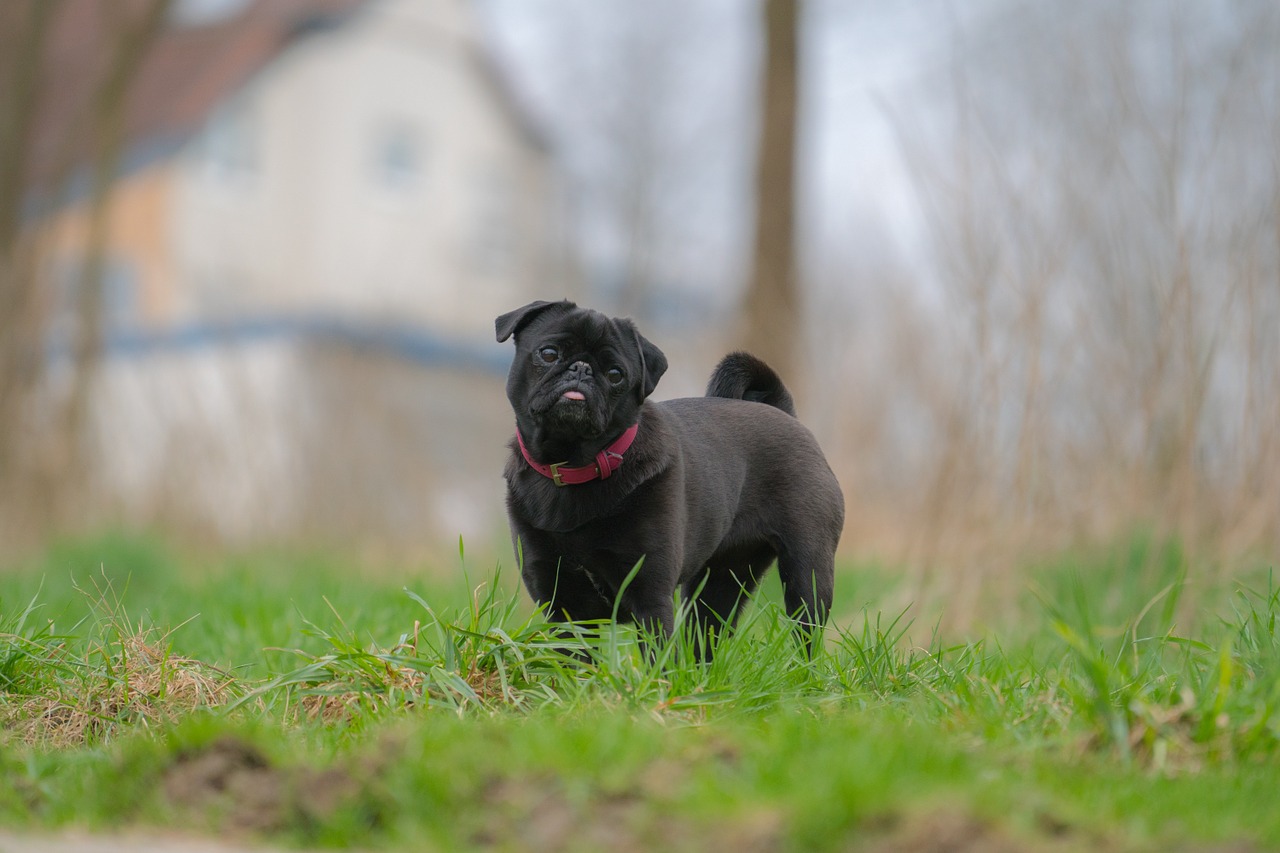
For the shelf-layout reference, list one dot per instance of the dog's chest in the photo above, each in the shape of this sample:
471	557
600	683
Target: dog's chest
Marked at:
605	557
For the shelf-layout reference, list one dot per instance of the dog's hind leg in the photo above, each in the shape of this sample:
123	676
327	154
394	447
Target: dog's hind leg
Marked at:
720	594
807	571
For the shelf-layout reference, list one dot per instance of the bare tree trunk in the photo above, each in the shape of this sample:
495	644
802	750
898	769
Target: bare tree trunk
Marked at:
24	30
35	463
131	44
772	305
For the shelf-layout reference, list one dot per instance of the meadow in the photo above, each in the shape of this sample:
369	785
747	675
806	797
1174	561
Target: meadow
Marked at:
1124	700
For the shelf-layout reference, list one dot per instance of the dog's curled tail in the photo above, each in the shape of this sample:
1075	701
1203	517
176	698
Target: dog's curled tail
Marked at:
742	376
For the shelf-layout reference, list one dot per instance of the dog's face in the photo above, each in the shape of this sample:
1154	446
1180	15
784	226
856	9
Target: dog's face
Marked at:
578	375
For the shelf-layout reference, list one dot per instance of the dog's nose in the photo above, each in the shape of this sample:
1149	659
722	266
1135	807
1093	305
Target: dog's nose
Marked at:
580	367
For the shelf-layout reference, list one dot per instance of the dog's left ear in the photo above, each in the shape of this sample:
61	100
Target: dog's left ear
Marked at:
652	365
513	321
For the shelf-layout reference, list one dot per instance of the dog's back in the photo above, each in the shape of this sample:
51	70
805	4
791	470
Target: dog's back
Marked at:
756	489
742	376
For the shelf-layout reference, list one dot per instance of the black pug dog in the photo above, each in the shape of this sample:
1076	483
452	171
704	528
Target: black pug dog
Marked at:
708	491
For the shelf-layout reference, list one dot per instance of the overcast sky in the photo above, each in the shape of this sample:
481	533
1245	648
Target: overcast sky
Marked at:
863	65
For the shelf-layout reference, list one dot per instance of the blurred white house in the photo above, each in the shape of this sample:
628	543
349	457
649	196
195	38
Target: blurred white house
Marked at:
318	155
323	206
376	164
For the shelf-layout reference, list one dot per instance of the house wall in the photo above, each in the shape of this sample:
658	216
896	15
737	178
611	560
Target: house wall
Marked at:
280	440
315	219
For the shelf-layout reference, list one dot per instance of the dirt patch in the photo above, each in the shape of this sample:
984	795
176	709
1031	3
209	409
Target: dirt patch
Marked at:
961	832
943	832
232	784
537	814
80	842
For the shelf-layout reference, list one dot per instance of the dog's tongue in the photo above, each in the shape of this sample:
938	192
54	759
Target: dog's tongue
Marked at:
573	395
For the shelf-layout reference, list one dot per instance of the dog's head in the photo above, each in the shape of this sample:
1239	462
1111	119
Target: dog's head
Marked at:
578	376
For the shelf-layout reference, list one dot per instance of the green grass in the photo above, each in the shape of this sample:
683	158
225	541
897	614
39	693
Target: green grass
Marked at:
1129	703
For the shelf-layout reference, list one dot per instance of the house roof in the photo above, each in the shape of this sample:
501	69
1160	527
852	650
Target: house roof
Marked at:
188	71
185	74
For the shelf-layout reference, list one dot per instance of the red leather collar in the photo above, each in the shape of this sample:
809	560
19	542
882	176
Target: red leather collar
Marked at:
607	461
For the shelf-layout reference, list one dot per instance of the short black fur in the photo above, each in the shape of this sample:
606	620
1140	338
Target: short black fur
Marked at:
713	490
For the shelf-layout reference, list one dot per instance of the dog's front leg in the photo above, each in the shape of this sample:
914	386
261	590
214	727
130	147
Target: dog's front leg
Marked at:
646	594
565	591
654	614
568	598
562	588
653	611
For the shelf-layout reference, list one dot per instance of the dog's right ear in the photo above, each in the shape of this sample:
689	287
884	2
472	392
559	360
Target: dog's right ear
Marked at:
513	321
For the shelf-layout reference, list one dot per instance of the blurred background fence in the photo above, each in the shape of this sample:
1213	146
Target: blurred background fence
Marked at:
1021	261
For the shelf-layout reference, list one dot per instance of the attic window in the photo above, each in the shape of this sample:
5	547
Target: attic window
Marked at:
231	145
204	13
397	157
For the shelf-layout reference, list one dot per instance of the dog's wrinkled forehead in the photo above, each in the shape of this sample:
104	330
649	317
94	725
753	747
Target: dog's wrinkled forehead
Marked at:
588	328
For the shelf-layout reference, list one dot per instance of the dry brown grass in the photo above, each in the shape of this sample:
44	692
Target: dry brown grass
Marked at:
129	679
1084	345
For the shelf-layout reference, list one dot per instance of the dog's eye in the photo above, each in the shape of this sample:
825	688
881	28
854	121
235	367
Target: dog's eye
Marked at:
549	355
615	375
